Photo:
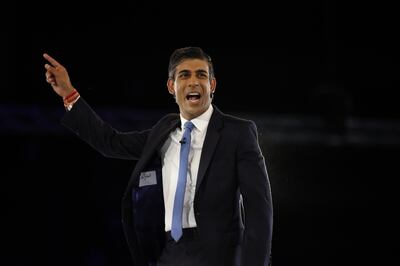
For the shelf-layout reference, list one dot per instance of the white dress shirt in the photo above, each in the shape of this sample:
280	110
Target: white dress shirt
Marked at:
170	168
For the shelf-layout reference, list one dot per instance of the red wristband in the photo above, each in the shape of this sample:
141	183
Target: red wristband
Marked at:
71	98
74	91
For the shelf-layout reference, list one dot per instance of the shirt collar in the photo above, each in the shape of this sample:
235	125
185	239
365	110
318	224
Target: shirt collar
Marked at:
200	122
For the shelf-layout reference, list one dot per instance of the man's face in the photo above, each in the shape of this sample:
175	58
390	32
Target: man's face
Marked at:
192	87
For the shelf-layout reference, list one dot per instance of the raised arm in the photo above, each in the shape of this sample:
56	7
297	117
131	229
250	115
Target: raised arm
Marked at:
86	124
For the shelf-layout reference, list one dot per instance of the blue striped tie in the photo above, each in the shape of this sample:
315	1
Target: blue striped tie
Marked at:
176	228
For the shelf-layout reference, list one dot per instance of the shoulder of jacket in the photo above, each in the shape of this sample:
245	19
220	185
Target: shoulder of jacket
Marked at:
167	119
229	119
237	121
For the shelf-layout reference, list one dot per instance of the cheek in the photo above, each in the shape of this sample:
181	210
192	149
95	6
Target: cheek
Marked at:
180	93
180	96
178	88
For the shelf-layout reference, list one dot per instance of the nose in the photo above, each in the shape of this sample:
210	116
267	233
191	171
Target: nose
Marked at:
194	82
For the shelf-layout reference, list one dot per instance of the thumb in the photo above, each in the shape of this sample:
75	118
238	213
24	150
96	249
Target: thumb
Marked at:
49	68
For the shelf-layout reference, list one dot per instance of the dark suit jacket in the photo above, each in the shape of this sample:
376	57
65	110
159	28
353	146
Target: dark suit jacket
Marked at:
232	171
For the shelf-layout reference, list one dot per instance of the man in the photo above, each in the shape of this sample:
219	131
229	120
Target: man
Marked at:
199	193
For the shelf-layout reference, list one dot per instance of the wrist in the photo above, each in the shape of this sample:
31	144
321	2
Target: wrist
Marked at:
70	93
70	99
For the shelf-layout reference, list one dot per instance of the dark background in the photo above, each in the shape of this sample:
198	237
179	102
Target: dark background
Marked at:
319	79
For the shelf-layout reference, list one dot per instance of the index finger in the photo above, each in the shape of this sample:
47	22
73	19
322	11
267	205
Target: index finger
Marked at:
51	60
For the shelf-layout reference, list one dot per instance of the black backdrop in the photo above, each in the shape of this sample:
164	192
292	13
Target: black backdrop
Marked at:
319	78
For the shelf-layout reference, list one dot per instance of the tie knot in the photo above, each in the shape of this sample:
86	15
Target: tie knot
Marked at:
189	125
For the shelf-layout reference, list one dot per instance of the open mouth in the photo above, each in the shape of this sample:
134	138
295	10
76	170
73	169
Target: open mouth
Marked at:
193	96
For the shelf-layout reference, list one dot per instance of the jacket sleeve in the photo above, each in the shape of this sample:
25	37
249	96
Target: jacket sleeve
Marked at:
256	192
88	126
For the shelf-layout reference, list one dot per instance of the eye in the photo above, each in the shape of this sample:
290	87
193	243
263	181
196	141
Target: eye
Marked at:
183	75
202	75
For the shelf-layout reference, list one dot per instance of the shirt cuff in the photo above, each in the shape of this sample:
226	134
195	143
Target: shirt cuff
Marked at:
69	106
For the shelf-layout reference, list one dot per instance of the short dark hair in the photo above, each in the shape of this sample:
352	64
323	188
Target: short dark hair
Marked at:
182	54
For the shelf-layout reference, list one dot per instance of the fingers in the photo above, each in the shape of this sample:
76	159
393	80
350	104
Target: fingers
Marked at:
49	68
50	74
52	61
56	74
54	67
50	78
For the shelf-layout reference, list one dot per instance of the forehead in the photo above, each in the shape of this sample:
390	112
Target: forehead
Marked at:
192	64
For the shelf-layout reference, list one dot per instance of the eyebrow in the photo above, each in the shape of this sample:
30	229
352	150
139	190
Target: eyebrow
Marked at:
201	71
197	71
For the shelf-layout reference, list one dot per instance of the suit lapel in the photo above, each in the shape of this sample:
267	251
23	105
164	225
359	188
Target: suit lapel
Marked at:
157	138
210	142
160	138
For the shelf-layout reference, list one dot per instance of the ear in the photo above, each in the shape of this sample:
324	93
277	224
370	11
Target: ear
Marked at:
171	87
213	83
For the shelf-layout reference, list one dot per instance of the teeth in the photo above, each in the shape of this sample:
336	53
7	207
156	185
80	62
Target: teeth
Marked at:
193	96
